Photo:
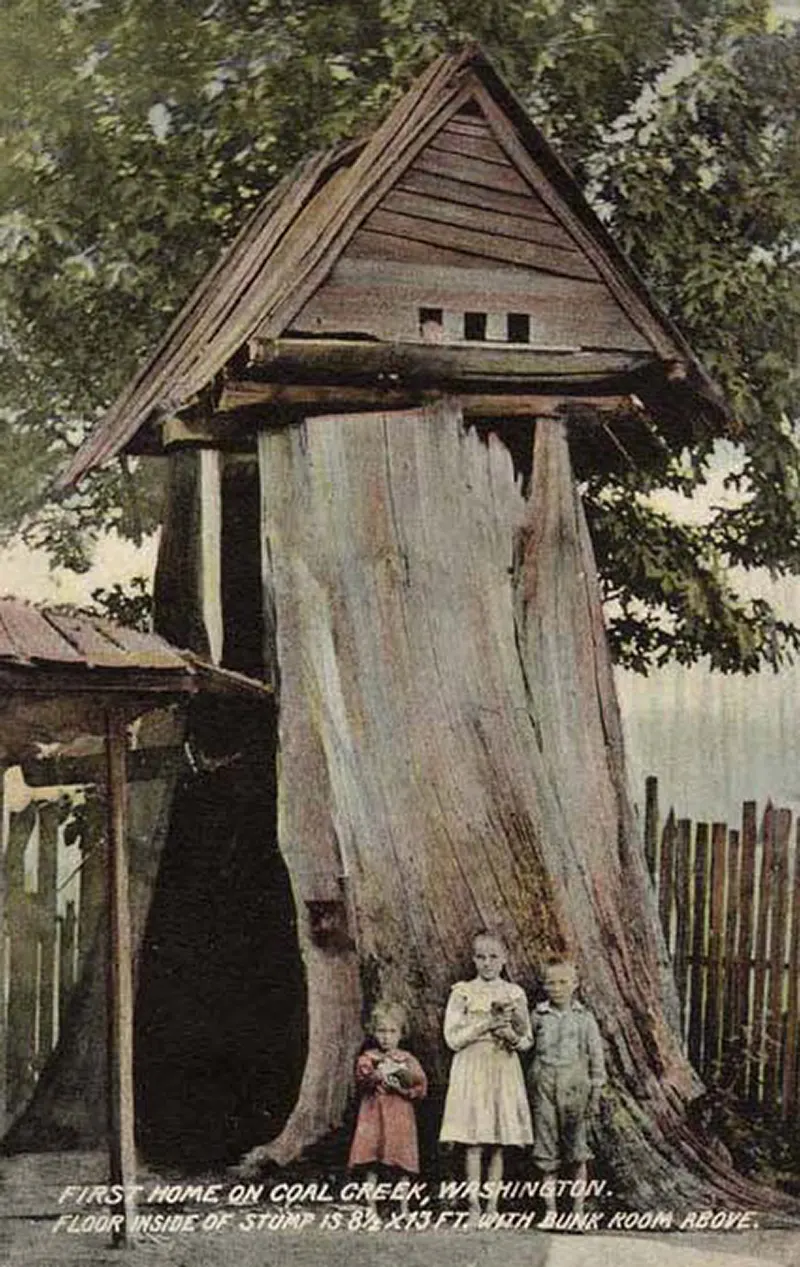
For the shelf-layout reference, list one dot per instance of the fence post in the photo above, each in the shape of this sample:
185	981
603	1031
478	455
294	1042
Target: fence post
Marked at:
683	926
731	1003
755	1083
651	823
777	958
744	948
666	878
789	1097
719	836
696	1011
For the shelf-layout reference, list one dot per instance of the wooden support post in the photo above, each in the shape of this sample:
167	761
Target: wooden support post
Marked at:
49	817
22	934
122	1145
211	550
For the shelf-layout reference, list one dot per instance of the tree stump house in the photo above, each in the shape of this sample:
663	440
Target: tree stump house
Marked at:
376	409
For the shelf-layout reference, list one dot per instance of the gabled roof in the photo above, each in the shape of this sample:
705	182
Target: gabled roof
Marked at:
294	239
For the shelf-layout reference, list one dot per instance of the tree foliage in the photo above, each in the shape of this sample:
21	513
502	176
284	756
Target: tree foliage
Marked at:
136	135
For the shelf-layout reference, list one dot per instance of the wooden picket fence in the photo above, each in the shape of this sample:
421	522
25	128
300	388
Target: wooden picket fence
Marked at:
44	940
729	902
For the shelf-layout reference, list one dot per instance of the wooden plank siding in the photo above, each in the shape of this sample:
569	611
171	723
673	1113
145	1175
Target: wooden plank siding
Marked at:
448	215
383	297
730	911
461	192
488	197
475	142
475	172
460	208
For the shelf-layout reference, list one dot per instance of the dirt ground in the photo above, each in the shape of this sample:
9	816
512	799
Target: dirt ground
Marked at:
30	1236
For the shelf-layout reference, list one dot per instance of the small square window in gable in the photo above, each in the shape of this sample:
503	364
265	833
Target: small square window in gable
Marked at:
431	325
475	327
518	327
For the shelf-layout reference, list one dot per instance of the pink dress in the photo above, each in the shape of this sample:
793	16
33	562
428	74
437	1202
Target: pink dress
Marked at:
386	1127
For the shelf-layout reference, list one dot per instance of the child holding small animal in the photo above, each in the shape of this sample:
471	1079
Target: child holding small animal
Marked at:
389	1080
565	1078
486	1025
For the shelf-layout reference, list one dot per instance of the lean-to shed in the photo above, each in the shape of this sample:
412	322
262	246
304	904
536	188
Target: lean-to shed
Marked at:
373	408
65	675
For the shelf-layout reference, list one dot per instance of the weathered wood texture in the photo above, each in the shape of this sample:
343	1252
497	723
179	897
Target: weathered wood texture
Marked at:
36	975
735	947
463	230
451	757
474	365
177	592
119	979
379	286
22	963
433	188
68	1106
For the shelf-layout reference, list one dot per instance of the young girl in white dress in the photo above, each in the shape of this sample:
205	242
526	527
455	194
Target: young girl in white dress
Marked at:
486	1024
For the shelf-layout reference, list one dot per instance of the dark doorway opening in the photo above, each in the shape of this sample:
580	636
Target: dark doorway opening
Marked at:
220	1027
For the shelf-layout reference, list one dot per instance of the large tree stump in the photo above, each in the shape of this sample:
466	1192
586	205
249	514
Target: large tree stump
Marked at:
451	757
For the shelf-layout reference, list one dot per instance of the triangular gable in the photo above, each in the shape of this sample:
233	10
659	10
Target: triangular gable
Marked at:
462	231
305	229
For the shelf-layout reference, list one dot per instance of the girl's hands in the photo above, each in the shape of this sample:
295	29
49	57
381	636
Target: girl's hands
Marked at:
518	1022
507	1035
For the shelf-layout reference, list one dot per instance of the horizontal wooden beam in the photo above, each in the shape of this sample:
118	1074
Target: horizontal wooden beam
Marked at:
355	361
289	402
143	689
230	433
144	765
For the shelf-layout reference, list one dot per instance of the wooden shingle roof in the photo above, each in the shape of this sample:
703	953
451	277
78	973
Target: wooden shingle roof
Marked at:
46	651
290	245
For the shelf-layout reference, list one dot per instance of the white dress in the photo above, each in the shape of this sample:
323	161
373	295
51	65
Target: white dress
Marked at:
487	1102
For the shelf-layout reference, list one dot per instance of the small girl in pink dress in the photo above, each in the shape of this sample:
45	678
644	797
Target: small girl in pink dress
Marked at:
388	1080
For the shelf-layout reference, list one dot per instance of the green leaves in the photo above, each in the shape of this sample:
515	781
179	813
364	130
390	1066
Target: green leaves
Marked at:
670	600
136	135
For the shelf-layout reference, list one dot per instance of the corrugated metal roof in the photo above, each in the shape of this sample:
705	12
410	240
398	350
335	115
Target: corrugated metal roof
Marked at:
290	244
44	649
